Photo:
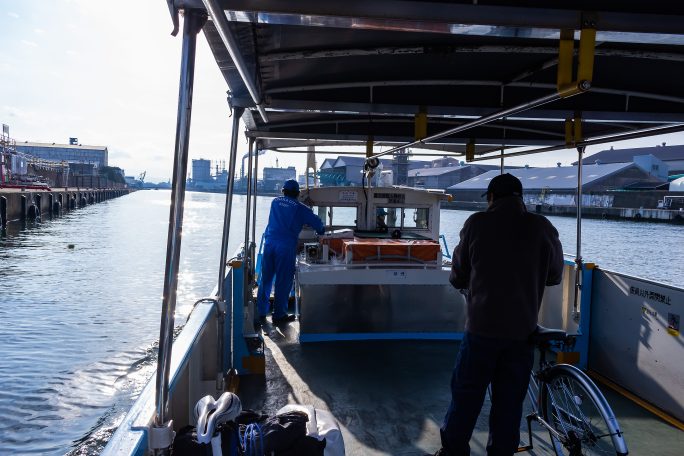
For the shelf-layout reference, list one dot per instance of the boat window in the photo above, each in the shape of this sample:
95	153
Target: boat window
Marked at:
387	217
396	217
341	216
416	218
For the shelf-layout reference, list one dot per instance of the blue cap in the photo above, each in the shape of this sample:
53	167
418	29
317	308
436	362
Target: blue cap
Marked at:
291	185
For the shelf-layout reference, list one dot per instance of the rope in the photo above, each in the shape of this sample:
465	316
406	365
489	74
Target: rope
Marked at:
252	440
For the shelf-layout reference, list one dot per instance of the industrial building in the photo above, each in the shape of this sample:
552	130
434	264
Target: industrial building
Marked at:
557	186
201	171
443	177
348	170
95	157
274	177
672	156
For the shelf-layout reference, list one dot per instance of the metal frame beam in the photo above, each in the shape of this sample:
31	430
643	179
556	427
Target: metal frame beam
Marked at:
274	57
444	17
229	41
463	82
319	138
461	112
643	133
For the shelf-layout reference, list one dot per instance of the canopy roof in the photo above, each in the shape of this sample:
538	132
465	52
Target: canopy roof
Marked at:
339	73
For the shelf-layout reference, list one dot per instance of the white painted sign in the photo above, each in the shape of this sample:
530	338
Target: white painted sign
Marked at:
348	196
397	274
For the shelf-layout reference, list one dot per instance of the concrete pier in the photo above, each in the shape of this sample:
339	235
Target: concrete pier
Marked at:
613	213
20	204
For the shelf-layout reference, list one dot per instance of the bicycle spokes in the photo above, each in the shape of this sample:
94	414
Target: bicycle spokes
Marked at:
572	412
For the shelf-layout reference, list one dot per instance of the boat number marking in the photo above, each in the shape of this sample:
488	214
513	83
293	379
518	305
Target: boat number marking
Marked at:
392	198
397	274
348	196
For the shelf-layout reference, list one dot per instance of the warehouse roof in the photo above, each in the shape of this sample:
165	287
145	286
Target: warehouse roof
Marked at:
564	177
60	146
665	153
424	172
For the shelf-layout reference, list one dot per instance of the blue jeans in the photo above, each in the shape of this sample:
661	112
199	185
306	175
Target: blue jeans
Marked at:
504	363
279	261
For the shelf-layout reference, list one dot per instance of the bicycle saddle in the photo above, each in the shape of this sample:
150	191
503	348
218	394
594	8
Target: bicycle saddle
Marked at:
542	334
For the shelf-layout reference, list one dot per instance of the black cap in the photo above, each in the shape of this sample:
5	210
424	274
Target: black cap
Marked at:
504	185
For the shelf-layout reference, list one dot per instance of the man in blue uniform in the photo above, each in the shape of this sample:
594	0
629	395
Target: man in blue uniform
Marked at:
505	259
285	221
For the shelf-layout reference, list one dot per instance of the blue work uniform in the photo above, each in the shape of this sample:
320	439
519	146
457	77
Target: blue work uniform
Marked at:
285	221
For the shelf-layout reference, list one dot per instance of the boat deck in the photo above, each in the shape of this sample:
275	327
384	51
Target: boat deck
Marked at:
389	397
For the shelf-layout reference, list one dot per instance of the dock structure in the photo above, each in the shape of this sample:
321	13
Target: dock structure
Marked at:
22	204
638	214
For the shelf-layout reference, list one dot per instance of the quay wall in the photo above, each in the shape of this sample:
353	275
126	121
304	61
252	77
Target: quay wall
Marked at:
18	204
614	213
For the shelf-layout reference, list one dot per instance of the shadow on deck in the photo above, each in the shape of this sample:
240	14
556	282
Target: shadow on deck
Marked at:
389	397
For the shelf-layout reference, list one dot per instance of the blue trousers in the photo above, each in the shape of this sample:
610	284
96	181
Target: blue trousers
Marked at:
278	261
506	364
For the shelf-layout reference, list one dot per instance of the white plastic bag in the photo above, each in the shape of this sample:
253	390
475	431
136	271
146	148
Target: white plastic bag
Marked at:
321	425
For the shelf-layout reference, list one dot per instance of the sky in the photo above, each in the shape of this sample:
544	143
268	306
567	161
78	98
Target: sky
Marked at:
107	73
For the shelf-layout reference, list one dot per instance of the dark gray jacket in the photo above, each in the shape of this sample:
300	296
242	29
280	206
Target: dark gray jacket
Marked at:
505	258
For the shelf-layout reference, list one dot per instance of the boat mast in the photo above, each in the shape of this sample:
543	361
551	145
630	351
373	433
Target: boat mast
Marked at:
162	431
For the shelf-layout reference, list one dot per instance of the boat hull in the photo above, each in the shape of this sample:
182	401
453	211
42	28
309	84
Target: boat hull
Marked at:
379	304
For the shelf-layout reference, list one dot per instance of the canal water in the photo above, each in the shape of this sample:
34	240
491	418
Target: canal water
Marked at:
80	300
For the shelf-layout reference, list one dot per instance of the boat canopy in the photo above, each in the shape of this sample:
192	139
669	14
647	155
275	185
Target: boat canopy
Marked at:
468	78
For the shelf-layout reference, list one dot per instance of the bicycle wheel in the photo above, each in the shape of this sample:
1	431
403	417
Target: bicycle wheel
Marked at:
577	410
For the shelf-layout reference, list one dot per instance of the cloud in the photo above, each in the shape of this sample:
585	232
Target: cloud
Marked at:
39	31
29	43
14	15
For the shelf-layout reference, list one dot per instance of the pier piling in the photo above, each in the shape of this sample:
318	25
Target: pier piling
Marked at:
29	204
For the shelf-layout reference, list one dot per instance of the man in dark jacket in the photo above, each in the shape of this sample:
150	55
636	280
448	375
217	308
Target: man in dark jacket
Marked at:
505	258
285	221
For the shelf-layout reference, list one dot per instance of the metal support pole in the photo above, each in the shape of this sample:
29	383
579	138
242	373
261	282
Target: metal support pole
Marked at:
221	24
194	20
230	186
247	259
252	245
502	160
578	254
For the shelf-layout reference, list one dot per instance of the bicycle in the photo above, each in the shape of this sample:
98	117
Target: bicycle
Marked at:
567	403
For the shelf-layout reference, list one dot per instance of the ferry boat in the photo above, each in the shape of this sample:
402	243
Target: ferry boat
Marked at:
379	327
368	276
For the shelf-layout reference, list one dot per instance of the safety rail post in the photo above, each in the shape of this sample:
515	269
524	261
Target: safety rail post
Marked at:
578	255
252	244
227	214
582	343
247	258
238	344
161	432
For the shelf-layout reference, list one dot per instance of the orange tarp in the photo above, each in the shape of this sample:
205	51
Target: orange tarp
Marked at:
391	249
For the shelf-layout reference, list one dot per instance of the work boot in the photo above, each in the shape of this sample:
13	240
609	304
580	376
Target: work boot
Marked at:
284	319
